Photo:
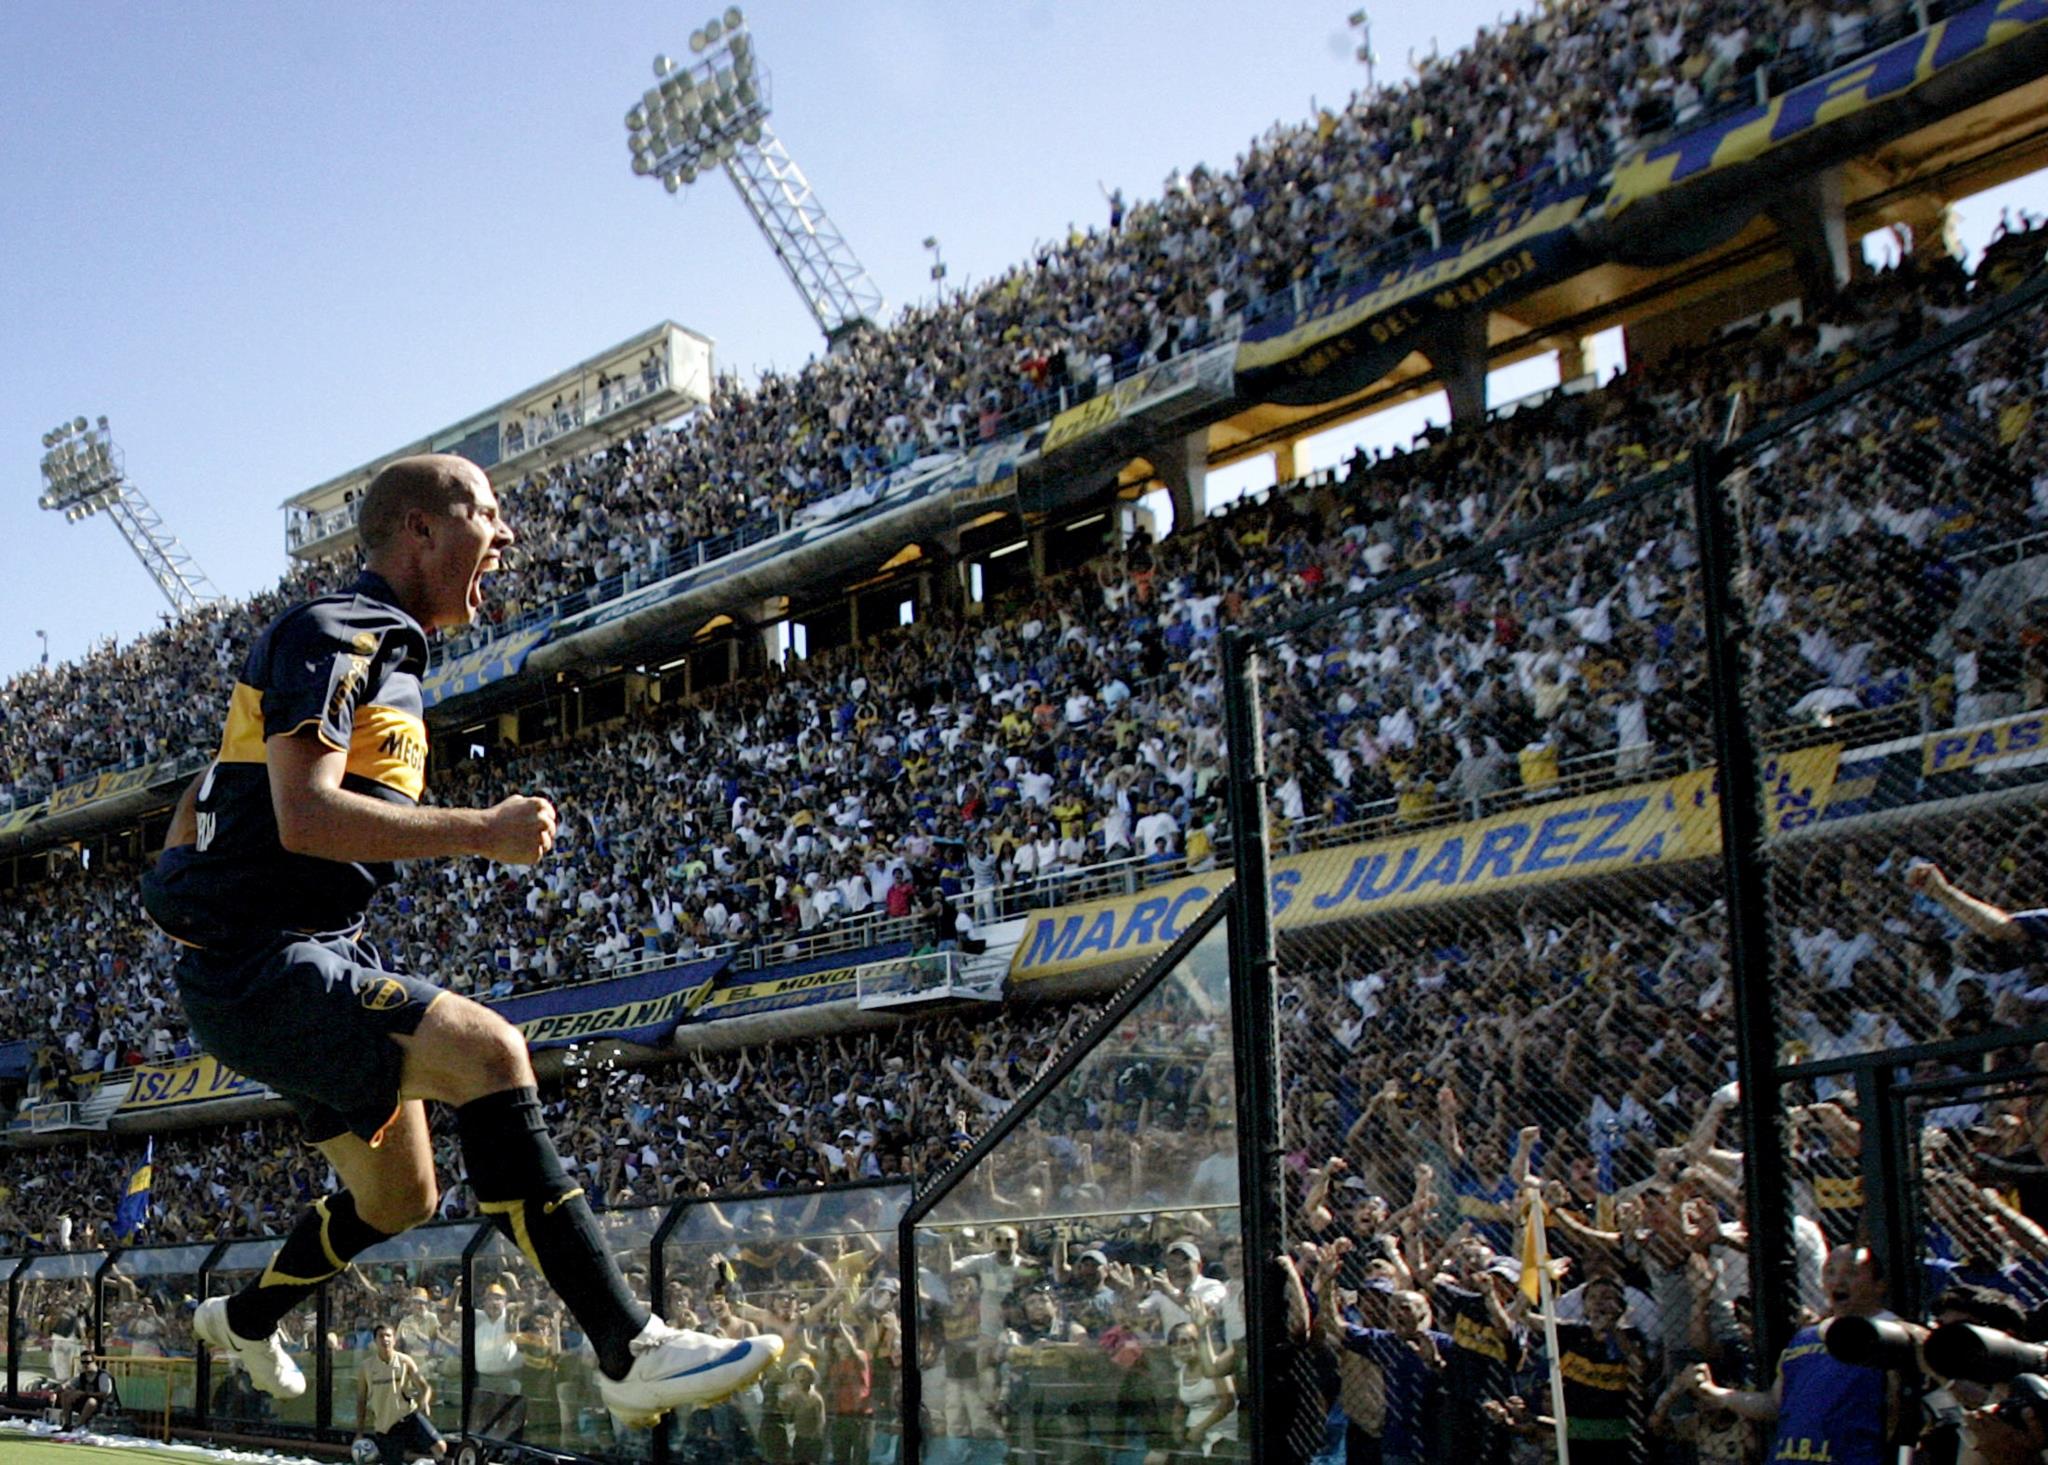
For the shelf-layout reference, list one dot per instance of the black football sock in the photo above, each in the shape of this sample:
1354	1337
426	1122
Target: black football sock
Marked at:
520	1185
317	1248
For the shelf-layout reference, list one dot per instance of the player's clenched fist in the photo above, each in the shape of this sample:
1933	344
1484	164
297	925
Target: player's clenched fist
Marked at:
519	831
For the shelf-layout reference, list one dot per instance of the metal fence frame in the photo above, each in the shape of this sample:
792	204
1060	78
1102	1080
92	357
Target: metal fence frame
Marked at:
327	1428
1710	473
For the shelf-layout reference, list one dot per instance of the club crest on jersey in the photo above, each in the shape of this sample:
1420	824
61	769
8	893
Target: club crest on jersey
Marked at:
381	995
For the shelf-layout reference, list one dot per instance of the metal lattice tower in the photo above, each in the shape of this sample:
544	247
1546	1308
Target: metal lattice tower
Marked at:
714	111
84	474
815	256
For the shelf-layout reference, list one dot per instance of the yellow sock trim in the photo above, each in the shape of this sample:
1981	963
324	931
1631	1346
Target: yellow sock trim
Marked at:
272	1277
521	1237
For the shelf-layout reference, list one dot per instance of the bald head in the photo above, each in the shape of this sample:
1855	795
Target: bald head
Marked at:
431	482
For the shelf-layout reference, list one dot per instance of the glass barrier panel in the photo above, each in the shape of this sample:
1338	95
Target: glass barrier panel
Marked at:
1080	1287
235	1400
56	1317
536	1373
15	1331
413	1283
821	1269
147	1299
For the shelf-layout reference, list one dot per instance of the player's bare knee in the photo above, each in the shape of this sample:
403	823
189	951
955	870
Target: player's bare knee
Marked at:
498	1052
400	1208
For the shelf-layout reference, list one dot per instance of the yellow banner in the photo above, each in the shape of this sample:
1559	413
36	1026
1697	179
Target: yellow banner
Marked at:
126	781
19	820
1662	823
1949	751
1092	415
73	796
193	1081
797	991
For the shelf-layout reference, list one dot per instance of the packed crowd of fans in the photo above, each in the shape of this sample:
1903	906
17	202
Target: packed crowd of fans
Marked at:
894	1102
1538	101
970	765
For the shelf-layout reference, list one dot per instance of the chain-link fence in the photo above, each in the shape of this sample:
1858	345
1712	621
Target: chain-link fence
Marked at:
1889	576
1517	963
1510	973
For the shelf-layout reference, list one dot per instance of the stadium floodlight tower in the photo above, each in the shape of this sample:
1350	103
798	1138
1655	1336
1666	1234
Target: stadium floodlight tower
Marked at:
83	475
713	112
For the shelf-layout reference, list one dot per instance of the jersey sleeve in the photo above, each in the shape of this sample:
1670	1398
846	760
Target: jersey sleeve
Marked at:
2035	924
318	673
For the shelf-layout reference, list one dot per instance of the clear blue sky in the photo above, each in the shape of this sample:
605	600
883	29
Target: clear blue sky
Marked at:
272	241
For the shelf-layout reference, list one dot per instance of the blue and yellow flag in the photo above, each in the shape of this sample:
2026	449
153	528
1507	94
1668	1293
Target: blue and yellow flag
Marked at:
134	1207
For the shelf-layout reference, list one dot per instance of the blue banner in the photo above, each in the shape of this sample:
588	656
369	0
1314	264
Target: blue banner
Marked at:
492	662
1350	338
641	1009
1889	72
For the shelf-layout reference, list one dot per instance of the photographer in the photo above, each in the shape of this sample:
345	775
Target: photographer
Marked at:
1824	1409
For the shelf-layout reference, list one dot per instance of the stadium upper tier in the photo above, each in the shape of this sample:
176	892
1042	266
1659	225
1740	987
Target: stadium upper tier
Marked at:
1003	762
1535	103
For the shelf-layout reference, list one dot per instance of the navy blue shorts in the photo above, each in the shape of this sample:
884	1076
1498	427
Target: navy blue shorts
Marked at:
312	1018
412	1435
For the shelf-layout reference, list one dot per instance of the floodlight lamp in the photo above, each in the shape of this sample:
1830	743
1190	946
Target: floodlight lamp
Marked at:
698	43
103	424
641	165
635	120
78	424
650	101
733	18
754	133
671	182
931	241
1358	17
689	173
747	93
662	65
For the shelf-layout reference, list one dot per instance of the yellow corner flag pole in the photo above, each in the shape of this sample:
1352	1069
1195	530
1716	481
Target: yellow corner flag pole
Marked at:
1536	1257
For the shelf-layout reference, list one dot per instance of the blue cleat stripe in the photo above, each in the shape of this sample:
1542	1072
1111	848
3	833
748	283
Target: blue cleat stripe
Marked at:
739	1350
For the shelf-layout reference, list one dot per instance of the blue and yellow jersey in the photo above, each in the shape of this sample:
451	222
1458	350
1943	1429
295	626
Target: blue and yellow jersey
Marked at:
346	668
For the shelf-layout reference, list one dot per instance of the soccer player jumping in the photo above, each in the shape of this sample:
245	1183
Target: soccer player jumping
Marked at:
272	858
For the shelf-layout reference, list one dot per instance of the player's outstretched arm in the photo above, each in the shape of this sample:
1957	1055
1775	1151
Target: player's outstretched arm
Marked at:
317	816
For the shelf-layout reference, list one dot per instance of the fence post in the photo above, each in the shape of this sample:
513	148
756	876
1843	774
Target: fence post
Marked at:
1766	1178
1886	1196
1254	1038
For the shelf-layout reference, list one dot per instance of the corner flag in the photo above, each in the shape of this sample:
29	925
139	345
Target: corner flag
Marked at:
134	1207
